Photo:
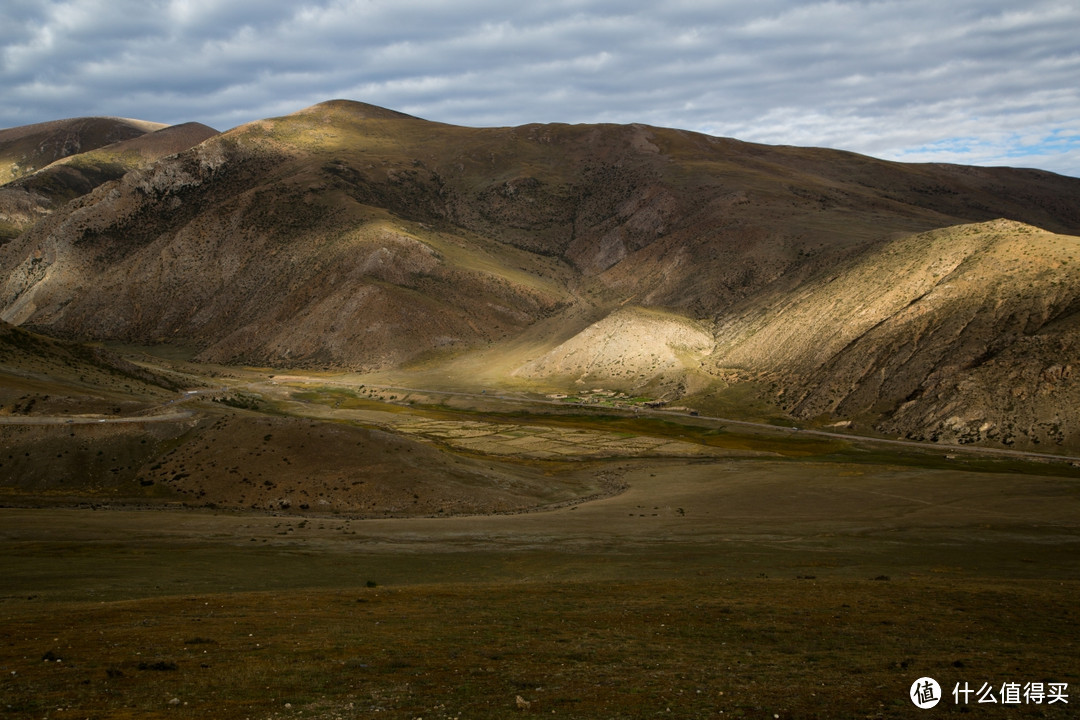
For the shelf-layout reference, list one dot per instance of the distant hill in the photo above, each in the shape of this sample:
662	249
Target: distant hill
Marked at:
29	148
627	256
33	193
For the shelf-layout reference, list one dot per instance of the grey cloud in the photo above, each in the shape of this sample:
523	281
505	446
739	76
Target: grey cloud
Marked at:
894	79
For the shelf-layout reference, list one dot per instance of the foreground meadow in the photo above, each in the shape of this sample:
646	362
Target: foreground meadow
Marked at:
495	558
704	589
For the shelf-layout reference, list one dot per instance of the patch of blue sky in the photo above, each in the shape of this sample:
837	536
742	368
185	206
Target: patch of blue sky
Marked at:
1057	150
1057	142
947	150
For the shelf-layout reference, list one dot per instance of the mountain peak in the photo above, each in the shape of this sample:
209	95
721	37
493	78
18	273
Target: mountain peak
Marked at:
352	108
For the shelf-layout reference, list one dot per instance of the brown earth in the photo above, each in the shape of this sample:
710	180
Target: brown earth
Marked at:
238	461
349	236
81	425
26	149
33	194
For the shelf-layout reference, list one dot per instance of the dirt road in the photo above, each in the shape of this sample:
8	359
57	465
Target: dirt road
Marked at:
172	416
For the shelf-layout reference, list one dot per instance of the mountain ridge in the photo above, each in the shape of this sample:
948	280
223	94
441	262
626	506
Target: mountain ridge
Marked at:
351	236
28	148
36	192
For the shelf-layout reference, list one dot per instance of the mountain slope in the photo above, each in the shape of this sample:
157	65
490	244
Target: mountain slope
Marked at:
965	333
263	255
347	235
32	195
29	148
272	219
632	348
43	376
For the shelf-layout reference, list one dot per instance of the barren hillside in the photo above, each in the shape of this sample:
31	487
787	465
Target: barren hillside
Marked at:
967	333
34	193
356	237
26	149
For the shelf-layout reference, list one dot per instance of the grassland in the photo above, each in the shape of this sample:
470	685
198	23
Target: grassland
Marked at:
495	514
614	564
699	648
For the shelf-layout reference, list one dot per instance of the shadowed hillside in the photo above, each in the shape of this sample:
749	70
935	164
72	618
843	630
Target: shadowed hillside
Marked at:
352	236
40	376
35	193
29	148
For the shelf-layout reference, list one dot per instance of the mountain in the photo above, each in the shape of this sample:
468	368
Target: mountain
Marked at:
82	162
967	333
546	256
45	376
29	148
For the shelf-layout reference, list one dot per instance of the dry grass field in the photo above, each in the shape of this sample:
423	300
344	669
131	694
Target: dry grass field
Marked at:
700	647
580	421
721	573
338	546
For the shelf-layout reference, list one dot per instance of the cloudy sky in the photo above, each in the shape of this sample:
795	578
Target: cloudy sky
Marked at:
988	82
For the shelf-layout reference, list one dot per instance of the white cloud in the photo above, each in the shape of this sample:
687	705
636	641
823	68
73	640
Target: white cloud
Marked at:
890	78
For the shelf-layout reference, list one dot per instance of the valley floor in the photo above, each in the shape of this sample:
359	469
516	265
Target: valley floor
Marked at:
616	565
752	588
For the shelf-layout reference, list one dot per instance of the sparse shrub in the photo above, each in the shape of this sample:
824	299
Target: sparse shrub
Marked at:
160	666
241	401
200	641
